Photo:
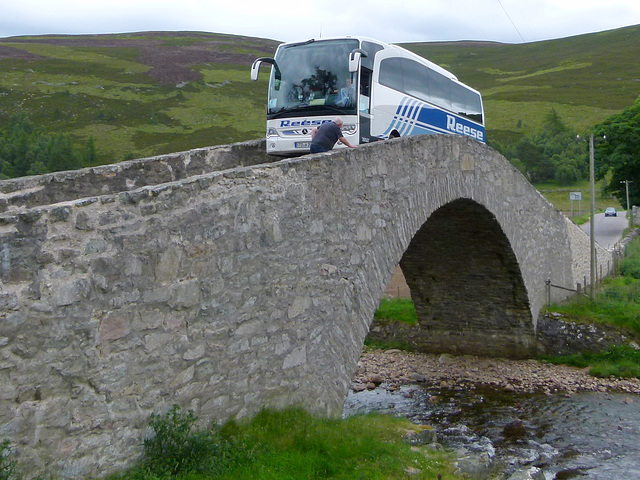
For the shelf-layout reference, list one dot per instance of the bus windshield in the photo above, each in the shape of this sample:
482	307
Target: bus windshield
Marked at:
313	78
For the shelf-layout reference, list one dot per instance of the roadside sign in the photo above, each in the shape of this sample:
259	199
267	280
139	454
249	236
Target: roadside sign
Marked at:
575	196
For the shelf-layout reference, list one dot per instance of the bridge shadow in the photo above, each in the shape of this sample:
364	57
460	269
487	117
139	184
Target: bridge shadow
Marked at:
466	285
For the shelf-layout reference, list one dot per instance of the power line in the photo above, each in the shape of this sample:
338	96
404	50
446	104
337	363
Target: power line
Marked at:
514	25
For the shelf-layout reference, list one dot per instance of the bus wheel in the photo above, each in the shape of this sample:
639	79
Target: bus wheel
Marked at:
394	134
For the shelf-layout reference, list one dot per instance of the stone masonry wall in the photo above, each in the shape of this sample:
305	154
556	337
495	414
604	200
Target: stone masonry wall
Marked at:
27	192
229	290
581	254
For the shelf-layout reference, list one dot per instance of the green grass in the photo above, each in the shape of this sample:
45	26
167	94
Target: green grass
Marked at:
7	463
287	445
391	310
619	361
615	305
559	197
396	310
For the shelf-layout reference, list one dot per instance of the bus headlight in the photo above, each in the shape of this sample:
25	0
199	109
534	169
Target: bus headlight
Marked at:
350	128
272	132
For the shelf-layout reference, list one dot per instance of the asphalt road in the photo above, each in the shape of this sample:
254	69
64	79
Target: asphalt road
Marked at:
608	230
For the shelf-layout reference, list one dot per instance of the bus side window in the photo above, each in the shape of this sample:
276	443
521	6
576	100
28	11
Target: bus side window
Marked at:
365	90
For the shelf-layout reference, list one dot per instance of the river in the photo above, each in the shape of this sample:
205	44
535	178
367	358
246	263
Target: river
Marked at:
587	435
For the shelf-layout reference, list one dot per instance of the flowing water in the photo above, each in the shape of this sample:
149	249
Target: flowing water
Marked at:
584	436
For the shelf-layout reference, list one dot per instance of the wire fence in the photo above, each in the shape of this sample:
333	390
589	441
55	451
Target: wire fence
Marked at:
613	269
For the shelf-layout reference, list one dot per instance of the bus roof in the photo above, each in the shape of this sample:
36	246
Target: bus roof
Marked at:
401	51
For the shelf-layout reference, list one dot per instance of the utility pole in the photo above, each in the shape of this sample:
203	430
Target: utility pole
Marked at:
629	212
592	229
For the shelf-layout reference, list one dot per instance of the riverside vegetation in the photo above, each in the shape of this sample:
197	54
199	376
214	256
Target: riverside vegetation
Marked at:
280	445
617	305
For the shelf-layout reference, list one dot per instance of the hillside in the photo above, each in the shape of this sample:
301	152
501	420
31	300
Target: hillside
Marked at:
150	93
138	94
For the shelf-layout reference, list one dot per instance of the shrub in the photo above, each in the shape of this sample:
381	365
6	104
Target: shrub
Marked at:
7	465
630	267
176	447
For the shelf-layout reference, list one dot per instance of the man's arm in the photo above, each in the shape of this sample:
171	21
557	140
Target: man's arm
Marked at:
344	141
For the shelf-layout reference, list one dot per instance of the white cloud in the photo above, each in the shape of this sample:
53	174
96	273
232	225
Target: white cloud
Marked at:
403	21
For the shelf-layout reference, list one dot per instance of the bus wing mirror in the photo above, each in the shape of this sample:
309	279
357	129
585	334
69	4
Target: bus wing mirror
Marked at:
255	68
354	59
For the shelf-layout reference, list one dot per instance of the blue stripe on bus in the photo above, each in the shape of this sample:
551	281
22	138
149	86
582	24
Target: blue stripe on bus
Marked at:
413	117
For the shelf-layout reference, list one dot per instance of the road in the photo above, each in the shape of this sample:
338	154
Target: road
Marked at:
608	230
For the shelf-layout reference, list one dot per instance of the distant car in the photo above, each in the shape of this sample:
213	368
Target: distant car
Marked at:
610	212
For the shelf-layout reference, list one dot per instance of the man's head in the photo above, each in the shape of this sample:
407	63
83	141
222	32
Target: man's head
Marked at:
338	121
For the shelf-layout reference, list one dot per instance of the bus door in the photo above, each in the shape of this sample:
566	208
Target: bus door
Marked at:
364	106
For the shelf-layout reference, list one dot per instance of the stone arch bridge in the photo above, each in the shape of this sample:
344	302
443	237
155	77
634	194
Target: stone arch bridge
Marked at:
224	280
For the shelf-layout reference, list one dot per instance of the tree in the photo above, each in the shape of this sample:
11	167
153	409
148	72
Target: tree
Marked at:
90	156
538	167
28	150
551	154
619	155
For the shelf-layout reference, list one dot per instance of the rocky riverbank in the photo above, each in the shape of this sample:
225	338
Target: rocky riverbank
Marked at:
394	368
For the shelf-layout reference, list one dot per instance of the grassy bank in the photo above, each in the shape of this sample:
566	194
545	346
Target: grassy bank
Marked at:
280	445
290	444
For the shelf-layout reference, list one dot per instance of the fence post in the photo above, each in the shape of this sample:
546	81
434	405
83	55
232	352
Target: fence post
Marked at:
548	282
601	277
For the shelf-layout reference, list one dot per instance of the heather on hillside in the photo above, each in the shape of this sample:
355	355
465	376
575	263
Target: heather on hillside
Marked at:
137	95
150	93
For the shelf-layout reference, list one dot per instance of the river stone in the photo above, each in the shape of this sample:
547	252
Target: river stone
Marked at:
514	430
423	437
446	358
533	473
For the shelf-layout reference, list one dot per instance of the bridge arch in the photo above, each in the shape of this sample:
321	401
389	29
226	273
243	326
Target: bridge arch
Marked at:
467	286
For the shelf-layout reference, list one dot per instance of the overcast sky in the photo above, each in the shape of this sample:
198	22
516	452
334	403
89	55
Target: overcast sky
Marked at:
509	21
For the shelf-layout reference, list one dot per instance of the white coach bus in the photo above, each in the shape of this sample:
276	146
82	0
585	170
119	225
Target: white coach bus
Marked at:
381	91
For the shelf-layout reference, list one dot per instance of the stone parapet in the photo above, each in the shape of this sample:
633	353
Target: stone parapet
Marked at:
27	192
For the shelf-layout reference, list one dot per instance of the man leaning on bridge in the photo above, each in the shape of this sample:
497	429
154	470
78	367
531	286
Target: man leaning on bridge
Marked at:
326	136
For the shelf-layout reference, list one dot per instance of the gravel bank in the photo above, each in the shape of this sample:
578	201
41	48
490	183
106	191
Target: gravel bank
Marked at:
394	368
